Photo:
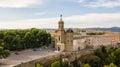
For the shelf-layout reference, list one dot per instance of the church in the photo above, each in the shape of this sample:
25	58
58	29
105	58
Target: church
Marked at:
63	38
69	40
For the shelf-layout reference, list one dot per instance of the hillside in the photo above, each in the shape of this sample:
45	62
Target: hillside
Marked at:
113	29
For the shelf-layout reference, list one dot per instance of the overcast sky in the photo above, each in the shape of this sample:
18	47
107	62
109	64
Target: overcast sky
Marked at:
21	14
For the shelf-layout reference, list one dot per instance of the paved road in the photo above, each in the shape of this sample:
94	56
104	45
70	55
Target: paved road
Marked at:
26	56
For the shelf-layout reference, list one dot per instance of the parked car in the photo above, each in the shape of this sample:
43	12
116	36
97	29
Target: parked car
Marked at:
17	53
34	49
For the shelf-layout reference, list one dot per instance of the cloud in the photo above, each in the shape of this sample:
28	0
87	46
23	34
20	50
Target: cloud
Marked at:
101	3
19	3
81	1
23	24
40	13
75	21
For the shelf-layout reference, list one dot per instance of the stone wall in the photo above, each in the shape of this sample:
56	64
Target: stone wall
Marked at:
46	61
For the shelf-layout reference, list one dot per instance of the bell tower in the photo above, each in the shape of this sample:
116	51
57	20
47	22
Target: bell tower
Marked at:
61	24
60	36
63	39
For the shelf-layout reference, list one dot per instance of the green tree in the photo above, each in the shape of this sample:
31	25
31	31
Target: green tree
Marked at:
4	53
111	65
117	54
8	37
61	63
56	64
112	57
24	39
87	65
102	53
96	62
16	43
38	65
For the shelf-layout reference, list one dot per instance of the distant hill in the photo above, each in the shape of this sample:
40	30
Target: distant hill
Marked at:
113	29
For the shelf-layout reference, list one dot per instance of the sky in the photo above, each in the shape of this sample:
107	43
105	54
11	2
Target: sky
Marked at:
22	14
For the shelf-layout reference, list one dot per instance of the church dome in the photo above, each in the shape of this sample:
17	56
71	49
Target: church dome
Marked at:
70	31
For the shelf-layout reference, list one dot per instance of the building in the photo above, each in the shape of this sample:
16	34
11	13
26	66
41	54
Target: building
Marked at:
63	39
110	39
98	40
69	40
116	38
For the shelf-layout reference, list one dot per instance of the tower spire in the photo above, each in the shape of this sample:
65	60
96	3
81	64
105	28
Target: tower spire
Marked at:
61	17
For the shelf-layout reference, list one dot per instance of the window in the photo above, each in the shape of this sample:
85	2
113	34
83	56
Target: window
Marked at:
59	38
68	41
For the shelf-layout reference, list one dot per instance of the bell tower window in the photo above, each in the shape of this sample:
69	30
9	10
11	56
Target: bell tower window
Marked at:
59	38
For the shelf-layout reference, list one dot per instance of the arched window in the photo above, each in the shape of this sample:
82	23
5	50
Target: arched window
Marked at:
59	38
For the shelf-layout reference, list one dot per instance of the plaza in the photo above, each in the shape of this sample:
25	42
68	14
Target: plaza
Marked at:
26	56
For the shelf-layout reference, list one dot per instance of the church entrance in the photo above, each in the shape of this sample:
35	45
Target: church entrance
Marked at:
58	48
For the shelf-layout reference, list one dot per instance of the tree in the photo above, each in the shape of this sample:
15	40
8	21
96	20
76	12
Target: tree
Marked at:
111	65
4	53
117	54
112	57
16	43
38	65
87	65
8	37
102	53
24	39
56	64
76	64
61	63
96	62
103	56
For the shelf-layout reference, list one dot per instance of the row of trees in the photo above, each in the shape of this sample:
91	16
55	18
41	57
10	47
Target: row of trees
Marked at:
111	65
103	56
24	39
95	33
57	64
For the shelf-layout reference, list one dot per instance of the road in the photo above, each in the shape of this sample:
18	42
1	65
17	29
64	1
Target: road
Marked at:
26	56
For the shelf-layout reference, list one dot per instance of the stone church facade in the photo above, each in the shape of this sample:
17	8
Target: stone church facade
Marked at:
63	39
